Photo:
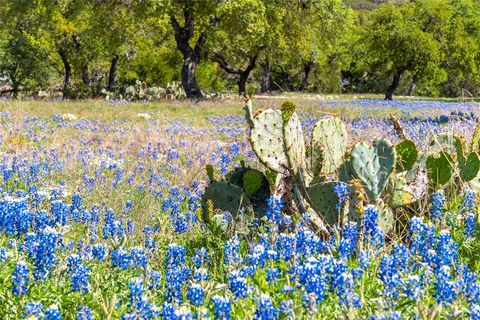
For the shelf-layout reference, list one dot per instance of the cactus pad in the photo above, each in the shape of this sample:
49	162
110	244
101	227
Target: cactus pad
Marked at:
266	138
294	144
255	185
225	196
326	202
329	143
373	165
407	154
470	168
440	168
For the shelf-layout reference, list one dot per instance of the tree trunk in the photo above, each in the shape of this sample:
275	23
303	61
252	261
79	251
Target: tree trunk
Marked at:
68	75
412	87
15	87
112	75
85	74
242	83
189	80
266	73
191	55
394	85
307	67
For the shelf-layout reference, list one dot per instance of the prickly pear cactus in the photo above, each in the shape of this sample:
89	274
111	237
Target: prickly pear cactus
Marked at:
329	144
440	168
407	155
410	186
468	164
373	165
266	137
470	168
293	139
326	202
226	197
255	185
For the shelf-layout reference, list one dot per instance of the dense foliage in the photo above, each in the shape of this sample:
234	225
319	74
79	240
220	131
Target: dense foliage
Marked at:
83	48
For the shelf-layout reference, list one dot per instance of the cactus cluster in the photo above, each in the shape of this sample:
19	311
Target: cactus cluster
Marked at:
243	189
332	183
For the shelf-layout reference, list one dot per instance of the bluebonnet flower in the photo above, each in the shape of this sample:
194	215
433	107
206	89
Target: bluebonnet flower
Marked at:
154	278
84	313
80	278
121	258
390	277
349	240
342	191
285	246
474	311
413	287
265	309
3	254
238	285
20	279
73	262
273	274
201	258
346	291
364	258
33	309
468	200
470	225
150	244
200	274
232	251
438	205
223	307
444	286
274	210
447	248
195	294
139	258
45	253
373	233
136	291
176	255
98	252
52	313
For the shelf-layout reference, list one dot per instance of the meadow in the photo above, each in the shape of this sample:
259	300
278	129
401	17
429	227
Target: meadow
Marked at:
101	218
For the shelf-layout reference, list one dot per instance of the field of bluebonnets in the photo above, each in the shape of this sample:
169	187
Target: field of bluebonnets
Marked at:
101	218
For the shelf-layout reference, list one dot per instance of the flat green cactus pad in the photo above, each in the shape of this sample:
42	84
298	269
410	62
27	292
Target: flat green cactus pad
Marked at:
440	168
470	168
226	197
266	137
373	165
256	186
294	145
329	144
325	201
407	154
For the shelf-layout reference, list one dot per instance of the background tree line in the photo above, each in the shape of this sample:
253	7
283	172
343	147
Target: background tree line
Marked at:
81	47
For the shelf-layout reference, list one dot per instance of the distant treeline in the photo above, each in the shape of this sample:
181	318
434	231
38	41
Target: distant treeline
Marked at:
86	48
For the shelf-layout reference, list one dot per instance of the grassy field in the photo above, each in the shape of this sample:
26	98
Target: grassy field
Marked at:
127	178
